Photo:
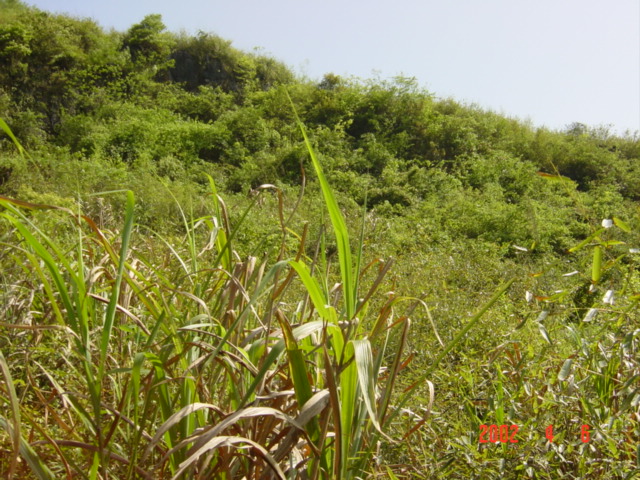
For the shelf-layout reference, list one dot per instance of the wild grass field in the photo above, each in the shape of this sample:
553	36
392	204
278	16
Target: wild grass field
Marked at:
234	273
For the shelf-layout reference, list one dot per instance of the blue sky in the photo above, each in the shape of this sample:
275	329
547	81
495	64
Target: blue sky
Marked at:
553	62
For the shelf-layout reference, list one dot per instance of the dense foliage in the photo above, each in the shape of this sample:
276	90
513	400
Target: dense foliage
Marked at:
461	198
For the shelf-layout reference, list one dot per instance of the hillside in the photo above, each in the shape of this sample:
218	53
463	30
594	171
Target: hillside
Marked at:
146	231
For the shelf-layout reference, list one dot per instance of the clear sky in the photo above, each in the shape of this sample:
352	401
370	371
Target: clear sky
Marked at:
553	62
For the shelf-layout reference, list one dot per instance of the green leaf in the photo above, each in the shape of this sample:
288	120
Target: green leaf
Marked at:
610	243
587	240
554	178
391	475
297	364
596	270
138	361
621	225
52	265
93	473
315	292
348	391
222	242
275	352
14	429
565	370
7	130
544	333
612	448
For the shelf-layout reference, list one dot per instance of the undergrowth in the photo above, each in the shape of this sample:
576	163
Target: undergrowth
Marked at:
129	354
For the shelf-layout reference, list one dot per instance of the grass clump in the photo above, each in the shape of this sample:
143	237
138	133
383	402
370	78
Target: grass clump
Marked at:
227	322
175	360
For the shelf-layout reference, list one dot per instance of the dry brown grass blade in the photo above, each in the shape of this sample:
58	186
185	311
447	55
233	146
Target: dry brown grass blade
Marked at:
335	409
395	370
42	206
49	409
269	186
201	438
380	323
34	206
225	215
236	417
275	395
113	456
229	441
374	287
223	355
172	421
278	291
303	183
32	327
43	431
427	414
123	310
311	409
420	301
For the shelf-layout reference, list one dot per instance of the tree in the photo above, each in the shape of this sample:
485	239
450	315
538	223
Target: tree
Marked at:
147	42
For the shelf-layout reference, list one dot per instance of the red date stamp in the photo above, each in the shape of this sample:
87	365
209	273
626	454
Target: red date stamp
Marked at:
498	433
507	433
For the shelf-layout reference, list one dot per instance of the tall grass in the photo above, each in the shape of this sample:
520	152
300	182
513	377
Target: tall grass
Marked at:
358	354
134	356
181	364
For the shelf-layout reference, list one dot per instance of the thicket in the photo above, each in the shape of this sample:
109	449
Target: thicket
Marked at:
461	198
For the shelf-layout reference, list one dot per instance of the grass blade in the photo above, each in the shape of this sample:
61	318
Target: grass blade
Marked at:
315	292
7	130
37	466
339	226
115	292
367	379
15	415
596	270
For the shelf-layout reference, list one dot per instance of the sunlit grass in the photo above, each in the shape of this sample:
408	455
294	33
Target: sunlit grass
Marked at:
130	355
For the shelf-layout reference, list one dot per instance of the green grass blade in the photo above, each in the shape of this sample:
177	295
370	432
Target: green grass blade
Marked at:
315	292
359	253
391	475
348	395
7	130
14	430
395	368
339	226
276	350
40	275
299	373
586	241
622	225
52	266
138	361
115	292
37	466
596	270
223	240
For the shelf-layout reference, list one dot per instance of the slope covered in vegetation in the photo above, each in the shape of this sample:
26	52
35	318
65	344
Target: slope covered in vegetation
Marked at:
207	292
